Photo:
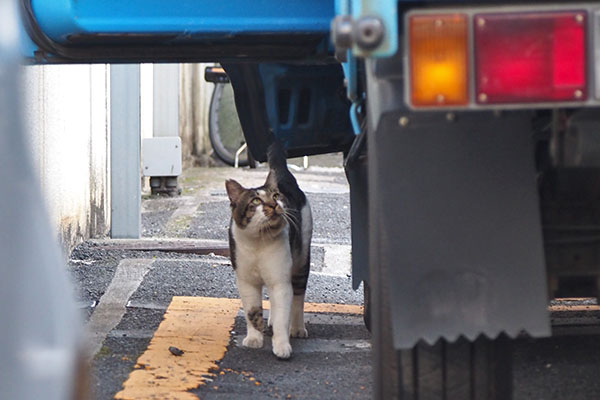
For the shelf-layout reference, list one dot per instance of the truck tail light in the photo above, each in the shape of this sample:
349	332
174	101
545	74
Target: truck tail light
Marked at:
439	60
530	57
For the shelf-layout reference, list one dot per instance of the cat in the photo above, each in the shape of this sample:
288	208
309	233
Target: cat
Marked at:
269	240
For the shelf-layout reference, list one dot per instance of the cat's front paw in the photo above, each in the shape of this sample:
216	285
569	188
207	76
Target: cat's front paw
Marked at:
254	342
300	332
282	350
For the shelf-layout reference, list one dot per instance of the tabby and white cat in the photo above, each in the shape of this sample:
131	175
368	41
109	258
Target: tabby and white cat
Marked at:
269	240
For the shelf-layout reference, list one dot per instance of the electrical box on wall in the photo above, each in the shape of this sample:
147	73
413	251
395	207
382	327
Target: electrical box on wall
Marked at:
161	156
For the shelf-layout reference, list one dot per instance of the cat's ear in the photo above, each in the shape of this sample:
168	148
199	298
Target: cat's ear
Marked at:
234	190
271	180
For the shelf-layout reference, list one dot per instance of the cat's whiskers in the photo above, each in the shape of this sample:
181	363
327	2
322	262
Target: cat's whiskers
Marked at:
290	218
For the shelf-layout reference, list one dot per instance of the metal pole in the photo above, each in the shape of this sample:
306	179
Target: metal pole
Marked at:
125	151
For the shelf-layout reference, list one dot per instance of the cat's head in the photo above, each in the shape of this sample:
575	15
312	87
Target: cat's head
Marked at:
258	211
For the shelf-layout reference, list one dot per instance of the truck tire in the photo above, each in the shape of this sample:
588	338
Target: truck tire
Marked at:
462	370
367	305
225	132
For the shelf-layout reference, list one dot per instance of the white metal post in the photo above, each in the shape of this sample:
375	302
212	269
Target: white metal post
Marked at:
125	151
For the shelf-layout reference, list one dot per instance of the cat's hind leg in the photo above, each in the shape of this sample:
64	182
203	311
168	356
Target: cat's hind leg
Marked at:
297	328
251	295
299	283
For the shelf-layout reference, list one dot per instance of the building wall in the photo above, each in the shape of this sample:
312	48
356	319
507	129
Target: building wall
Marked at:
67	112
194	104
194	95
67	116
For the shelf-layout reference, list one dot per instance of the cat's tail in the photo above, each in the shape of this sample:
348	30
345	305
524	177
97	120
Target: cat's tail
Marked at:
277	156
283	178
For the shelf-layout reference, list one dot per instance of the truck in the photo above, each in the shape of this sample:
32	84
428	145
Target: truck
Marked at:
470	140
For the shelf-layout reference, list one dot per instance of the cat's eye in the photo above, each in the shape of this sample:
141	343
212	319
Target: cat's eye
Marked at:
256	201
276	196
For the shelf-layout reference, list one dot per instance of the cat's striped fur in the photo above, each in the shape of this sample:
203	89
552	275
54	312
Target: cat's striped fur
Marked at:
269	239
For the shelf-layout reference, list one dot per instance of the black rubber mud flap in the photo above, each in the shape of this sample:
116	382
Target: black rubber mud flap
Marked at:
355	166
368	305
455	224
462	370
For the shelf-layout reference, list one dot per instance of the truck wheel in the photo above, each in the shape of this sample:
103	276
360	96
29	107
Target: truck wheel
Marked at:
225	132
367	305
460	370
479	370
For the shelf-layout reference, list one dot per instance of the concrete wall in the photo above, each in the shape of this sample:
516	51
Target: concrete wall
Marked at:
194	104
67	115
146	100
67	119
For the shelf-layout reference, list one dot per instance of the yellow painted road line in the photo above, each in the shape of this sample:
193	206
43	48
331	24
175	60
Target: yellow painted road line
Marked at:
197	325
200	327
328	308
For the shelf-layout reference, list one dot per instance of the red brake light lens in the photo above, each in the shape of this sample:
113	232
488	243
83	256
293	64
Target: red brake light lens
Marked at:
530	57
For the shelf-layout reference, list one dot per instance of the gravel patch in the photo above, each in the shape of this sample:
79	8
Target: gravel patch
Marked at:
331	217
211	221
186	278
155	222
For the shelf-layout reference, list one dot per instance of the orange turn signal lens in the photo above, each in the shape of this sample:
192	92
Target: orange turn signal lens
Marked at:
439	61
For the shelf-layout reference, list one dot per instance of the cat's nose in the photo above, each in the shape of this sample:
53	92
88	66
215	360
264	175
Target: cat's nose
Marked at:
269	210
272	209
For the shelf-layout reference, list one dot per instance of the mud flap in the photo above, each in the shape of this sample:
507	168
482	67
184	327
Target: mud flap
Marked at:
355	166
455	225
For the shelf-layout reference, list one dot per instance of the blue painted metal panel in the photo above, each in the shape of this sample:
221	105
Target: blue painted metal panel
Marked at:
60	19
304	105
28	48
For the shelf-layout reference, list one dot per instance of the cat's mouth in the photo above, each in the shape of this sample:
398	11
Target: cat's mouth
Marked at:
274	223
276	220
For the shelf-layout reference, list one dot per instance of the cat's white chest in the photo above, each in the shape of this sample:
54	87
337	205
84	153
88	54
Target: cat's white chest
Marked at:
263	261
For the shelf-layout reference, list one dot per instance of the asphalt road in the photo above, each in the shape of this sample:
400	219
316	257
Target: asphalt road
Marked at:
333	363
